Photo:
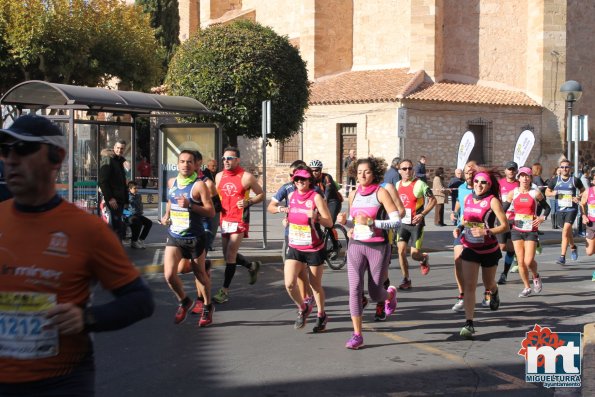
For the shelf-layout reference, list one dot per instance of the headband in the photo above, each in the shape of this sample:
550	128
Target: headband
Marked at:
486	176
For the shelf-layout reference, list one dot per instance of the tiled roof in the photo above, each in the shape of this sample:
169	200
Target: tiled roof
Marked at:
361	87
391	85
470	93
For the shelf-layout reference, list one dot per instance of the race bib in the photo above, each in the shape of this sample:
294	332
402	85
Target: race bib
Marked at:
523	222
362	232
469	237
229	227
24	333
564	198
180	221
300	235
407	218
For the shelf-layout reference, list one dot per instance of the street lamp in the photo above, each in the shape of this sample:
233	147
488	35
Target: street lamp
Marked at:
573	91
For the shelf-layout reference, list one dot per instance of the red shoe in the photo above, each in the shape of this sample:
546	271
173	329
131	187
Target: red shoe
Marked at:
425	265
198	307
183	310
207	316
405	284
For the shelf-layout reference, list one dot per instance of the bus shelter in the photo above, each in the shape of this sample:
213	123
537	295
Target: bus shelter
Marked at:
93	119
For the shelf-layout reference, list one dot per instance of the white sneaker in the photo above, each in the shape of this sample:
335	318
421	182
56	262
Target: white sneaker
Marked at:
537	285
136	244
487	296
526	292
514	269
459	306
142	243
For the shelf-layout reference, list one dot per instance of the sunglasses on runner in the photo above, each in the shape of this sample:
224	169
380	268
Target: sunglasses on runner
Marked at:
21	148
481	181
564	167
299	179
228	158
406	168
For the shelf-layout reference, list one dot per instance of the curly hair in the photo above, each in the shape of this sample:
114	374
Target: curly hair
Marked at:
377	165
305	167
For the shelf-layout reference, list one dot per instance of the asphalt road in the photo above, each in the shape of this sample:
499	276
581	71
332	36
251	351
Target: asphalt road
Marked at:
252	348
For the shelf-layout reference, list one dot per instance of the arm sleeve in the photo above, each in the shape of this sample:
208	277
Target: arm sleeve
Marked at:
546	207
506	205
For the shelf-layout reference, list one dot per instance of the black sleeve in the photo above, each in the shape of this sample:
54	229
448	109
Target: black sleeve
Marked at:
104	185
578	184
546	207
552	183
506	205
132	303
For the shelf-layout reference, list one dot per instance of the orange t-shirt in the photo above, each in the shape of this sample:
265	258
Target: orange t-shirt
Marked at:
47	257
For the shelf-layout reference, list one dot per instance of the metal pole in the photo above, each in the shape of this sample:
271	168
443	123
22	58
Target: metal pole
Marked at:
576	141
569	130
265	125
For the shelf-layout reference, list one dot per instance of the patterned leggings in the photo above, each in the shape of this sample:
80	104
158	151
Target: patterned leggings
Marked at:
376	259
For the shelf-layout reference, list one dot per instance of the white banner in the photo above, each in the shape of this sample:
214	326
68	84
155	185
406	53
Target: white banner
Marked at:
465	148
523	147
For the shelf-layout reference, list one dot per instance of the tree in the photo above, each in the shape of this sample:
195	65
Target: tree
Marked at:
165	19
233	68
84	42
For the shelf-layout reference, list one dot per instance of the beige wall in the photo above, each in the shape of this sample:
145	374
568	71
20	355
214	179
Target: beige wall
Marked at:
284	17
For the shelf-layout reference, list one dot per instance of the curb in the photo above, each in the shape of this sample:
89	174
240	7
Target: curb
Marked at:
588	373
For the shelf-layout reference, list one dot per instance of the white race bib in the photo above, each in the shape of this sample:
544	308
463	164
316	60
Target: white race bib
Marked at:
523	222
362	232
469	237
24	330
180	220
564	198
229	227
591	210
407	218
300	234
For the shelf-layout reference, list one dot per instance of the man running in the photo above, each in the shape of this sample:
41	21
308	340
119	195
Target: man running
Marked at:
413	193
234	185
189	200
507	184
567	190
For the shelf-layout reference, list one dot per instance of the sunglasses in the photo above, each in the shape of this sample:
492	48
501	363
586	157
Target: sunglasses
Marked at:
406	168
481	181
315	170
564	167
299	179
21	148
228	158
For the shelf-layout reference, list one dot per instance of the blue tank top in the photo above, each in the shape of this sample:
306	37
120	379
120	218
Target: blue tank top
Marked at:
565	191
464	191
184	223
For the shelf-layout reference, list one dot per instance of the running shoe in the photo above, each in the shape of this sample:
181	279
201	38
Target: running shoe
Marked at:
391	303
380	314
405	284
364	301
537	285
459	306
494	301
574	254
514	268
467	331
136	244
183	309
207	316
198	307
320	324
221	296
300	321
487	296
526	292
254	267
355	342
539	248
502	279
561	261
425	265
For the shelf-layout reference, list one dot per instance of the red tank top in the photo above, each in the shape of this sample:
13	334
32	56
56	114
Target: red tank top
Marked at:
524	210
506	187
304	234
230	191
411	203
477	215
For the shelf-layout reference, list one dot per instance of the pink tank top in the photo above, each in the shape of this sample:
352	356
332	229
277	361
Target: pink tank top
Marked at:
591	204
477	215
304	233
366	203
506	187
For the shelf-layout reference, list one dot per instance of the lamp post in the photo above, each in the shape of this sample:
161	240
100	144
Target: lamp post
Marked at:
572	91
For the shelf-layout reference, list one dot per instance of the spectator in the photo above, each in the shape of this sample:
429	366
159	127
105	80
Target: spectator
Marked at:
419	170
112	181
349	180
392	175
212	166
144	171
454	183
440	194
139	224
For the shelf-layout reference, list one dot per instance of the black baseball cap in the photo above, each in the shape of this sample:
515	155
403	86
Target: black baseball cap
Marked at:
34	128
511	165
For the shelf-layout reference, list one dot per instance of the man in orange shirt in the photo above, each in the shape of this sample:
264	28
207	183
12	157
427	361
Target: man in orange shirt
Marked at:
52	253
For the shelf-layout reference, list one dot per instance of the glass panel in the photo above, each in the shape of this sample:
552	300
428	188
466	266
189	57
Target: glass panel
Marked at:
110	134
63	179
86	167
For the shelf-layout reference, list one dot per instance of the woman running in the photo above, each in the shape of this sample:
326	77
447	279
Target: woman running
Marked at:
307	211
588	207
480	246
368	246
523	202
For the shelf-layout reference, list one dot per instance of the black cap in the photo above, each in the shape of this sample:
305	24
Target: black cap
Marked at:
511	165
33	128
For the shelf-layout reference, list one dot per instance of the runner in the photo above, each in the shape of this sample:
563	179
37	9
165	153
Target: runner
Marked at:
188	202
234	185
524	203
275	207
369	248
588	206
307	212
507	184
482	208
465	189
566	189
413	193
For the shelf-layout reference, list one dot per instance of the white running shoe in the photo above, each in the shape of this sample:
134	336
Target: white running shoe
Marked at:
459	306
537	285
525	293
136	244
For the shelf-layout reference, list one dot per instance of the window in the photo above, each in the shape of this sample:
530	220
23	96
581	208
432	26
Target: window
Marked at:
290	149
482	131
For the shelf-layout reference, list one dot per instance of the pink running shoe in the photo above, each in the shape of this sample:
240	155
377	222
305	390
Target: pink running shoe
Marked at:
355	342
391	303
425	265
